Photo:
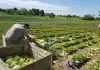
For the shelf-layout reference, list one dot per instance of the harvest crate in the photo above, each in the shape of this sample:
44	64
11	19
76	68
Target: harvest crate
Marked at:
44	58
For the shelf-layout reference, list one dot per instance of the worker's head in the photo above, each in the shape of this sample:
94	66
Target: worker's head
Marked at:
26	26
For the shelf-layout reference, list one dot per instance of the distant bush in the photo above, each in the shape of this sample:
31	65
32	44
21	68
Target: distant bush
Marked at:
51	15
97	18
42	13
88	17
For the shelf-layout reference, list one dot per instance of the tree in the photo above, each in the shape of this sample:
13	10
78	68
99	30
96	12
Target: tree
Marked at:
10	11
30	12
69	16
15	9
33	11
42	13
23	11
99	13
52	15
1	10
74	16
88	17
37	11
97	18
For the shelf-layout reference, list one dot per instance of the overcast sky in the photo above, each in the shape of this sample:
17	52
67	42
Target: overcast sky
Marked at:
78	7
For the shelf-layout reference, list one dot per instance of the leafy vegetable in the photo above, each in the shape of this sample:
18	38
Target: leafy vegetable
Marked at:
17	62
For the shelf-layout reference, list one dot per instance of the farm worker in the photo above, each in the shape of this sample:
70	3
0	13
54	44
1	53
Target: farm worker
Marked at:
17	35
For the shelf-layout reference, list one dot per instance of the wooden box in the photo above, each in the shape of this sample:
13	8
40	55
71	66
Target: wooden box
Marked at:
44	58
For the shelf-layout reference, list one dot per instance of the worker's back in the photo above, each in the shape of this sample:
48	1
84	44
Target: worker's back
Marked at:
16	32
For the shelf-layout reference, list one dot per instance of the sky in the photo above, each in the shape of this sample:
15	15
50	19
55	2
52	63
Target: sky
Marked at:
64	7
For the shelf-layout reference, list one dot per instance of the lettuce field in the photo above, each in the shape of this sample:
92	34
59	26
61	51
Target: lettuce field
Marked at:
69	40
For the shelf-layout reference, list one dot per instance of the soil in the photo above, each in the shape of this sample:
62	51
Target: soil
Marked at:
62	63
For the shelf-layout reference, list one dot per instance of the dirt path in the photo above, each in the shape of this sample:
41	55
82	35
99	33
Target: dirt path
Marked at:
61	64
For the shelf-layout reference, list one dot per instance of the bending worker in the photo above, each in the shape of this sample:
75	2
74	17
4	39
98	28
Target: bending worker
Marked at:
17	35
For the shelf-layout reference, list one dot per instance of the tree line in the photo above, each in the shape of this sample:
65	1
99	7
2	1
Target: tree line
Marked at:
37	12
85	17
30	12
23	11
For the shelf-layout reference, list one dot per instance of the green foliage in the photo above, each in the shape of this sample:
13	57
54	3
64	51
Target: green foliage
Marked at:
42	13
17	62
52	15
97	18
79	57
88	17
61	35
36	12
23	11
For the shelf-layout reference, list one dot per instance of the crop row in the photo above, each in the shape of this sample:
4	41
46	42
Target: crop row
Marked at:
85	57
73	49
58	34
71	43
63	51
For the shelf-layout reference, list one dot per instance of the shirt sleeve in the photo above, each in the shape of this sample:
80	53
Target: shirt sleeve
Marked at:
25	33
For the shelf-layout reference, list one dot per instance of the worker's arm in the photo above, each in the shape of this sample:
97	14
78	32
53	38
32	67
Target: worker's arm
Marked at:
32	39
27	36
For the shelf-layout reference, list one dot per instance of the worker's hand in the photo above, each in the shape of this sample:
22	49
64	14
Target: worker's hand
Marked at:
32	38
